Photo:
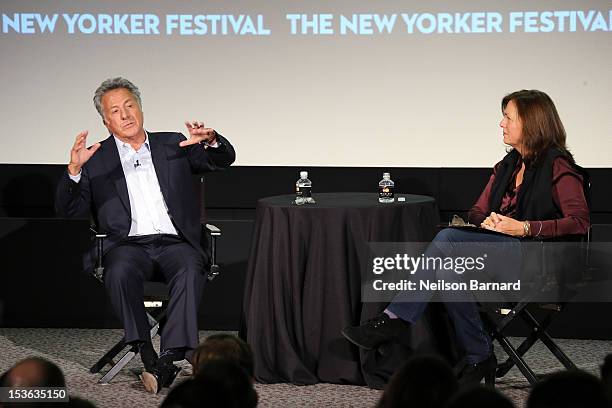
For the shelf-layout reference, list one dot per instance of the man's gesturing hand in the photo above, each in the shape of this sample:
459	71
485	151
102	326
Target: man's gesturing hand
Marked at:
80	153
199	134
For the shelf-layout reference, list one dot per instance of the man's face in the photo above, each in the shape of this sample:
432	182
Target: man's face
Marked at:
122	115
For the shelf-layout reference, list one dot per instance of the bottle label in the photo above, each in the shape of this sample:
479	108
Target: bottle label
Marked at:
385	192
302	191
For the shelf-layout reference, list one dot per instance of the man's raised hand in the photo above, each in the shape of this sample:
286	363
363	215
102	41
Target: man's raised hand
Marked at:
80	153
198	134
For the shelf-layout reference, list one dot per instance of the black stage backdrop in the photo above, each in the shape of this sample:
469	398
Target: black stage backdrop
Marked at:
41	285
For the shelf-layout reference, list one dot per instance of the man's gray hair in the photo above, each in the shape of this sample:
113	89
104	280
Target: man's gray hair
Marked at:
109	85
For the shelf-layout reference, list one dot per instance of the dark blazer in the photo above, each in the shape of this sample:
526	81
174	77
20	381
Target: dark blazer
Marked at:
102	191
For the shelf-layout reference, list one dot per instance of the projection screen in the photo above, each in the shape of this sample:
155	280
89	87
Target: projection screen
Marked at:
312	82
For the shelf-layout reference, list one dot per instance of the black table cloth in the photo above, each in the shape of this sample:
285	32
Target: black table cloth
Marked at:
303	283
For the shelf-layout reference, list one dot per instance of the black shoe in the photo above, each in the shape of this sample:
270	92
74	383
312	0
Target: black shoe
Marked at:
473	373
161	376
376	331
164	372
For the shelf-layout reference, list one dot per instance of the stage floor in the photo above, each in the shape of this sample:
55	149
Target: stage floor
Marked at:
75	350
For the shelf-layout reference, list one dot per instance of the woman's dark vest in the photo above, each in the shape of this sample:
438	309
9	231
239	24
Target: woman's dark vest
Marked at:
535	200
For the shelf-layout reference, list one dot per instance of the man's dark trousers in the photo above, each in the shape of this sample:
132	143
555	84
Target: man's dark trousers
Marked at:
138	259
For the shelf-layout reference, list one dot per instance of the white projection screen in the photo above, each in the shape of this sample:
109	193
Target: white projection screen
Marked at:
309	82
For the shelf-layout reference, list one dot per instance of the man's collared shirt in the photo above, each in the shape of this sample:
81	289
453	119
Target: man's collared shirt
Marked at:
149	210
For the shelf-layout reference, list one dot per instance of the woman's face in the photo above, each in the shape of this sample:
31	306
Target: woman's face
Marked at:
512	126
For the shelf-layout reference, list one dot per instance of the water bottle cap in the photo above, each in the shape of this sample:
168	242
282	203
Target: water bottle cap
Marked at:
303	174
386	175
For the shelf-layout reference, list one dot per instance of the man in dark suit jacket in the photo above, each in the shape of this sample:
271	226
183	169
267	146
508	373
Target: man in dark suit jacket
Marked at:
138	186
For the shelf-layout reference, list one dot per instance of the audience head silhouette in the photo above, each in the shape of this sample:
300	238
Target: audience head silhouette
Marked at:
423	382
224	347
218	384
565	389
34	372
479	397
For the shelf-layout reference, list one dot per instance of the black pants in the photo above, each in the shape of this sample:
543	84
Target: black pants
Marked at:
138	259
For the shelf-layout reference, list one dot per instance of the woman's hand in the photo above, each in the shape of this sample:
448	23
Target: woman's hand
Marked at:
506	225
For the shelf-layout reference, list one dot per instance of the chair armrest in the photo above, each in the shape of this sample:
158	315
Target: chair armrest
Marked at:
214	230
214	268
99	267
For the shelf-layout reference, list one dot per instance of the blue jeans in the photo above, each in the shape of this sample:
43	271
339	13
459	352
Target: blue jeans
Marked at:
504	254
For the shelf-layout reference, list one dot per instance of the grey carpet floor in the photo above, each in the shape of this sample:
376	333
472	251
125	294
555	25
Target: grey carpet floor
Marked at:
75	350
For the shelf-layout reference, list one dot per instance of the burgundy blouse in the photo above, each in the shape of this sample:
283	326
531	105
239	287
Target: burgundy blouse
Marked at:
568	196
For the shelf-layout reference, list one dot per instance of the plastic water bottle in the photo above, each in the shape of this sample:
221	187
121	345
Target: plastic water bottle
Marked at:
303	187
385	189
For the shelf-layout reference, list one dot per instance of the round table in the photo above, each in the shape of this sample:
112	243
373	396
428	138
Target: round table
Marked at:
303	280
